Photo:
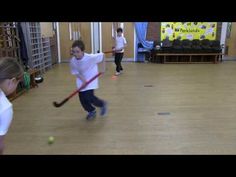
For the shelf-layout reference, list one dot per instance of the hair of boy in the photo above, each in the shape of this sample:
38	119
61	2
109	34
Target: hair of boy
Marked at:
119	30
10	68
79	44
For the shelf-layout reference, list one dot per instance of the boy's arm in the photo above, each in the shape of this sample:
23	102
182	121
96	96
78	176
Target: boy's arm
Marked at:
125	43
102	65
81	78
77	74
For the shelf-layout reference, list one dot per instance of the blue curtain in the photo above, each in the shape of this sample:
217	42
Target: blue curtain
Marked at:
141	31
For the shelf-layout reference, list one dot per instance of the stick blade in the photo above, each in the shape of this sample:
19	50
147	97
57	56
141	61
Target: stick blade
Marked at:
56	104
61	103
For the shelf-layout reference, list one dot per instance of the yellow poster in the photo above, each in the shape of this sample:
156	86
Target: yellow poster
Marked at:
188	30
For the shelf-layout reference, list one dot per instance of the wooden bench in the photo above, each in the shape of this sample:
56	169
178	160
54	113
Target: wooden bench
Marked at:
217	57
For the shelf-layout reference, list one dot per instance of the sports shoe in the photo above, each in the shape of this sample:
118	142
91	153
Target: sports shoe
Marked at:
104	109
117	73
91	115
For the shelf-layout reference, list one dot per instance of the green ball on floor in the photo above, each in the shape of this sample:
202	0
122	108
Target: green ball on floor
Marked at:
51	140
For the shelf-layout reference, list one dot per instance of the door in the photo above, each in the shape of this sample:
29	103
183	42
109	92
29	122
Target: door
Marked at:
230	44
68	32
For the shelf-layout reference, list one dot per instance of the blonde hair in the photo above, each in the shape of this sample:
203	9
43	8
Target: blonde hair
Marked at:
10	68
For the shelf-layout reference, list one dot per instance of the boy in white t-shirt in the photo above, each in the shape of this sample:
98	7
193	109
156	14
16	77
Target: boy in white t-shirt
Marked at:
10	74
85	66
120	44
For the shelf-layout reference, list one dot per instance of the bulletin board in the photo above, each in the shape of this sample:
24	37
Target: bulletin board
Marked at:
188	30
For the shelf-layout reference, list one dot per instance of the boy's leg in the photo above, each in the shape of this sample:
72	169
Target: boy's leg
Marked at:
117	62
95	100
121	57
85	100
99	103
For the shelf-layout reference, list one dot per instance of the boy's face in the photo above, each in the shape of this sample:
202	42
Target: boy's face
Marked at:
119	34
76	51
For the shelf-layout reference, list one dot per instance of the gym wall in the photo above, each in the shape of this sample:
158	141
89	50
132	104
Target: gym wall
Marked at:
85	34
46	29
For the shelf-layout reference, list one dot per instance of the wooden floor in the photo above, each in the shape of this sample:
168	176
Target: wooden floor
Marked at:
199	101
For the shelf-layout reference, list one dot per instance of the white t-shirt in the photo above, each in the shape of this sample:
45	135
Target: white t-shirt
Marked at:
120	43
88	68
6	113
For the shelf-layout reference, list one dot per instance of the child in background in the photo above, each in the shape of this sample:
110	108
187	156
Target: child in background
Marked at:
120	44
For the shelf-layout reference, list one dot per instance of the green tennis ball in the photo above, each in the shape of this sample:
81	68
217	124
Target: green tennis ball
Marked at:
51	140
